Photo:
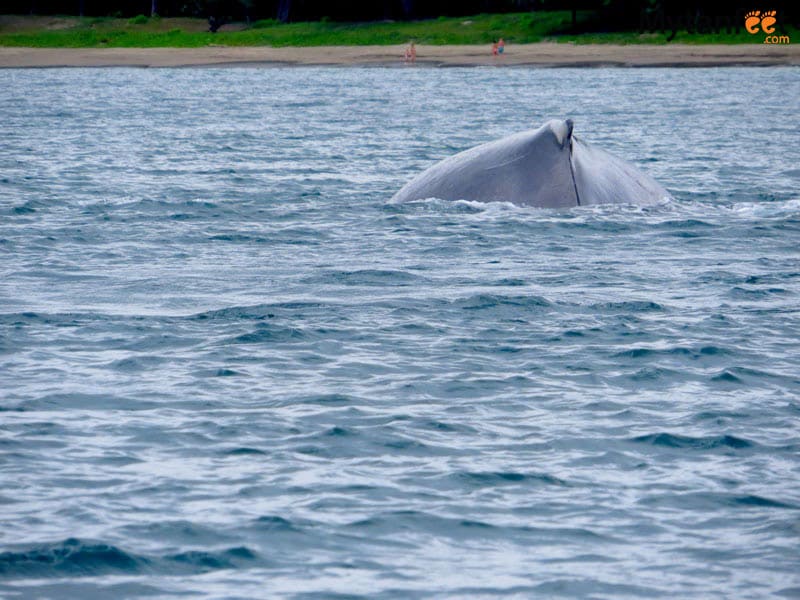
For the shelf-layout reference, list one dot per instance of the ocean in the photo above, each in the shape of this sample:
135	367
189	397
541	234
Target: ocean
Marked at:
232	367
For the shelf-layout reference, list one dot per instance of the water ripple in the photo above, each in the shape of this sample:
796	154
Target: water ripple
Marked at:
230	364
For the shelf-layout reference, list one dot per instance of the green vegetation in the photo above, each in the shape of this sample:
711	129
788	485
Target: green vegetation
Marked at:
137	20
516	28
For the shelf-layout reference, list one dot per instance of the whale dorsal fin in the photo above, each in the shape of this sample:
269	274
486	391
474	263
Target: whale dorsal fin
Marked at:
562	130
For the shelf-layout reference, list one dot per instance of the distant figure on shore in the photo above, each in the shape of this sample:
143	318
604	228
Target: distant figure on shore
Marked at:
411	53
214	24
494	48
501	45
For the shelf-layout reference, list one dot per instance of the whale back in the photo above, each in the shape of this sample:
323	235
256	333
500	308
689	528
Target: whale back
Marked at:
547	167
531	168
602	178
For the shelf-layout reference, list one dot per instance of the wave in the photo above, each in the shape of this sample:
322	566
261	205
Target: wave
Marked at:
76	557
493	479
712	501
628	306
366	277
491	301
269	333
386	523
670	440
677	351
258	312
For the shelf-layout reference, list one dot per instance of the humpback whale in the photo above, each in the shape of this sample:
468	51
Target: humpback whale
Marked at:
547	167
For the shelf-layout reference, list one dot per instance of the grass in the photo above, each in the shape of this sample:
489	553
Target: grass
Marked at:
143	32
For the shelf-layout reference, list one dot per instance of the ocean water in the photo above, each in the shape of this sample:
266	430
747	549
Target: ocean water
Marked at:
230	367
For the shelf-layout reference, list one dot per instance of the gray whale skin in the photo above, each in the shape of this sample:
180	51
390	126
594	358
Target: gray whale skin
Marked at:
547	167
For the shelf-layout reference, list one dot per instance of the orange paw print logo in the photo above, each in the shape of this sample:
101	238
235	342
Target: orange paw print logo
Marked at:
767	21
752	20
755	19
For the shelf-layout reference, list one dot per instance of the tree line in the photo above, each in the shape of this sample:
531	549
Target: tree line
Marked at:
281	10
613	14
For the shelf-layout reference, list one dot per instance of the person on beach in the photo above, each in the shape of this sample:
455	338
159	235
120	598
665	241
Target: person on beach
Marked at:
501	45
494	48
411	53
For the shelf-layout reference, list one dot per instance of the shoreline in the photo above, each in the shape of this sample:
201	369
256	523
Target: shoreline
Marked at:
544	54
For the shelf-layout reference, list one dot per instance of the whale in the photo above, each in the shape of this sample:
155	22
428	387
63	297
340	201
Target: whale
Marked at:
547	167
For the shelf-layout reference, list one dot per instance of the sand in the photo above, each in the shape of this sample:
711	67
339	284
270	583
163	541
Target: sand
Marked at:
524	55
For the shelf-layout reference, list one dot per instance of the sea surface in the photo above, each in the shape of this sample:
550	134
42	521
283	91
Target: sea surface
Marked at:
232	367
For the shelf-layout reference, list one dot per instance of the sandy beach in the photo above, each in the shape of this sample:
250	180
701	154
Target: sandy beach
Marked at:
525	55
